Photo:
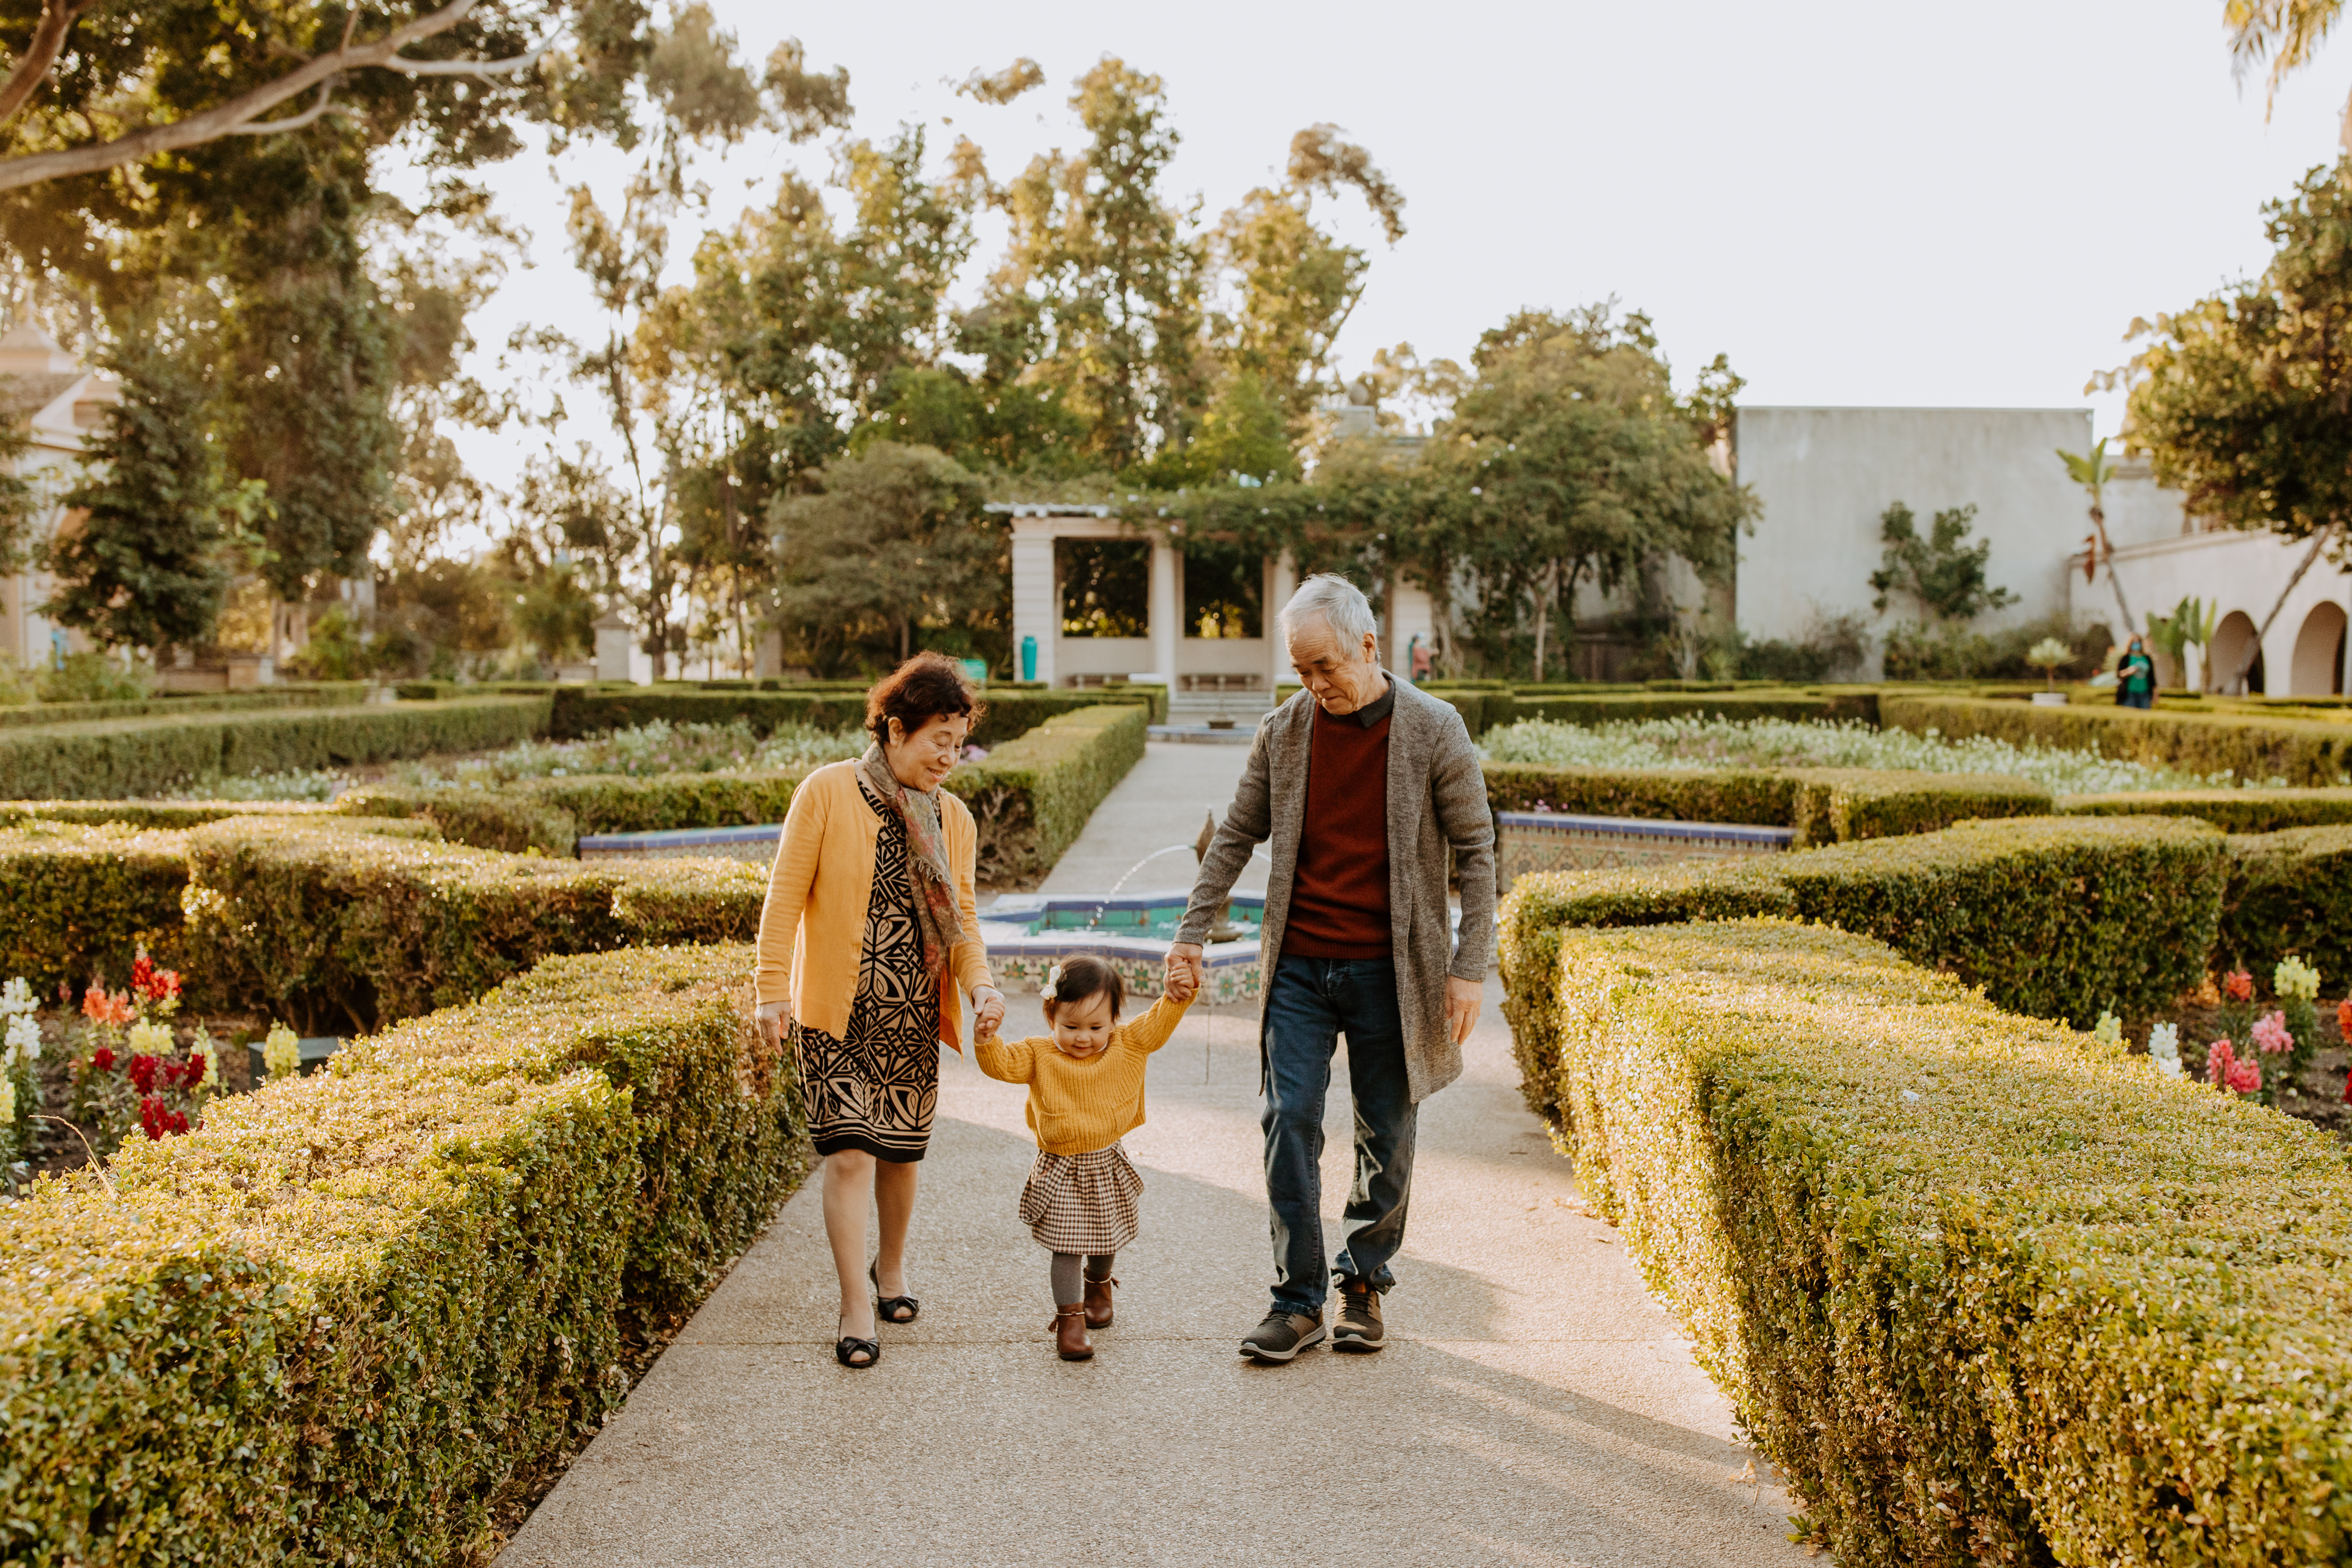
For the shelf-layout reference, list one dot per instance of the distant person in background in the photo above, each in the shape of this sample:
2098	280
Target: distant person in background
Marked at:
869	928
1417	659
2135	676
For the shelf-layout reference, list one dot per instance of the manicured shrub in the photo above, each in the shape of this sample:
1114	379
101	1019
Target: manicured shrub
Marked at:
81	899
586	711
2231	810
2057	917
605	802
1543	908
1753	795
2290	893
1832	805
516	821
151	756
1983	1288
340	931
1031	798
2257	747
357	1316
165	813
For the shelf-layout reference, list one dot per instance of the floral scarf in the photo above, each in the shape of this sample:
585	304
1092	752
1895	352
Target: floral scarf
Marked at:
926	860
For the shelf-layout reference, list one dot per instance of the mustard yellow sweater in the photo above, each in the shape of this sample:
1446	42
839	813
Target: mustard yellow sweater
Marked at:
1076	1107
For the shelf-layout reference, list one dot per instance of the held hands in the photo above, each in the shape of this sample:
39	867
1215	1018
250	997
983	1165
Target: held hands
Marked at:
1462	999
1183	971
988	1013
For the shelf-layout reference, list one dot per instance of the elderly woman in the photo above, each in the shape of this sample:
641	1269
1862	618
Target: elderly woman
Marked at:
869	931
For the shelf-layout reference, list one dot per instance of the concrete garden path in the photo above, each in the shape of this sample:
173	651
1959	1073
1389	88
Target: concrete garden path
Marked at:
1533	1408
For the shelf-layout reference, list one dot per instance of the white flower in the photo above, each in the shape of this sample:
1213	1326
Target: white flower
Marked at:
209	1048
16	999
2109	1030
23	1042
282	1053
8	1100
2164	1049
150	1038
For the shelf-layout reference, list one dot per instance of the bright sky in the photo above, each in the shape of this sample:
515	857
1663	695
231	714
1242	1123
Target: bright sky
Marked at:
1863	204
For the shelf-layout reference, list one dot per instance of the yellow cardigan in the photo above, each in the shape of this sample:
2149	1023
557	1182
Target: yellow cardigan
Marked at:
814	925
1076	1107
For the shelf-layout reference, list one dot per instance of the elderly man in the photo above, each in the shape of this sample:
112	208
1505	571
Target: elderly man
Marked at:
1363	785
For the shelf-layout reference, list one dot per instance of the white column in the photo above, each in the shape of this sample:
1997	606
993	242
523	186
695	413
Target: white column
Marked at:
1035	612
1166	612
1281	581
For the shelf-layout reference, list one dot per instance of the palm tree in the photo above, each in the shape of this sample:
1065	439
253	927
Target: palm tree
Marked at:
2093	472
2287	33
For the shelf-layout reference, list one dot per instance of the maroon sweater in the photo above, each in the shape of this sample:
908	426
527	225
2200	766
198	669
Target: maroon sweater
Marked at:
1339	891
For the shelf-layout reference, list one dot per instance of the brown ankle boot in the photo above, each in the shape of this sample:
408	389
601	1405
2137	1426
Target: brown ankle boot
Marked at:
1069	1330
1098	1302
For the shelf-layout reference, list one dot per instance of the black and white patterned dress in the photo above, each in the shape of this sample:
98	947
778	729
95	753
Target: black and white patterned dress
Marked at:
878	1088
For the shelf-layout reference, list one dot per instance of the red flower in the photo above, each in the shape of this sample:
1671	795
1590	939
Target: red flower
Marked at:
142	1073
102	1060
194	1071
102	1007
158	1120
2344	1017
142	971
2239	986
152	983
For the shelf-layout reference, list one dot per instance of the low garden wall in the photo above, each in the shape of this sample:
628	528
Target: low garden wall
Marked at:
355	1315
1983	1288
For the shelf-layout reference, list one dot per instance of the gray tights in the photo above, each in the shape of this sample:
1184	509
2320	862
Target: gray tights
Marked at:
1067	1288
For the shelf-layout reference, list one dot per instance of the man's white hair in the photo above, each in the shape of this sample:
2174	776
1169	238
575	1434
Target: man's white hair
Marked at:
1339	603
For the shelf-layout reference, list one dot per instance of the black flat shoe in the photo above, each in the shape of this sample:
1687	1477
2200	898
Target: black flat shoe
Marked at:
887	1307
846	1347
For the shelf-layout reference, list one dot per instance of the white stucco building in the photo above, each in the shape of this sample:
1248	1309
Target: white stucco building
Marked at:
1826	475
46	393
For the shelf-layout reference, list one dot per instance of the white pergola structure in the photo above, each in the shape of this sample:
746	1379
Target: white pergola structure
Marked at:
56	402
1209	674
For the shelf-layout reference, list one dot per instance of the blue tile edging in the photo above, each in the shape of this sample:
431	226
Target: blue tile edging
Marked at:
1648	827
676	838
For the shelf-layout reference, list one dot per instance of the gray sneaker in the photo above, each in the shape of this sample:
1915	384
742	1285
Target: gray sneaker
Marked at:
1360	1327
1283	1335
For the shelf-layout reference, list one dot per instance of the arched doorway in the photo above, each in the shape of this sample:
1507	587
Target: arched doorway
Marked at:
2231	638
2319	654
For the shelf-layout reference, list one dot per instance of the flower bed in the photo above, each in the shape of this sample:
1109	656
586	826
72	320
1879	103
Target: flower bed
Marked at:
1984	1288
581	710
352	1316
2255	747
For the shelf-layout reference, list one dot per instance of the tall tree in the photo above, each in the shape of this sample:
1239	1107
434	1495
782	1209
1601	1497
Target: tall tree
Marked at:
144	560
894	541
2287	34
2241	401
1103	271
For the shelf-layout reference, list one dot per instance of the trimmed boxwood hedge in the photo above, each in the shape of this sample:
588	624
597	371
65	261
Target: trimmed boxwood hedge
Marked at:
515	821
165	813
1826	806
2302	751
1031	797
358	1315
581	710
1832	805
2231	810
339	930
2057	917
149	756
1983	1288
2289	893
81	899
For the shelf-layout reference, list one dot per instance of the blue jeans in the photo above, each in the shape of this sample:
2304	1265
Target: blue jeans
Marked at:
1311	1003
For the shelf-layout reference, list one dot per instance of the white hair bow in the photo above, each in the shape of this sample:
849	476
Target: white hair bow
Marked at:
1052	980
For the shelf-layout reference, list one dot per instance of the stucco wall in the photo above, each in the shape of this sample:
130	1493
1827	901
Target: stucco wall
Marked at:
1826	475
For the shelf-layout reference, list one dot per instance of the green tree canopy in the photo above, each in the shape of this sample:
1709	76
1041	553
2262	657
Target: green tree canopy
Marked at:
1940	573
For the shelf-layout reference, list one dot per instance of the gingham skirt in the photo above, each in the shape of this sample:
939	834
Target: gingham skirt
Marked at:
1082	1203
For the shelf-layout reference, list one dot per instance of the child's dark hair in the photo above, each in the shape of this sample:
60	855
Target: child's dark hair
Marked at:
1081	978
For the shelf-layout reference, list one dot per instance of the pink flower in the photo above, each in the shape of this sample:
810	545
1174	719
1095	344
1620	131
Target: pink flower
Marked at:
2269	1033
2246	1077
2219	1057
2238	985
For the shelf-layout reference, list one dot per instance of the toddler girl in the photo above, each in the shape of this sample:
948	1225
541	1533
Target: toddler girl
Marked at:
1086	1092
